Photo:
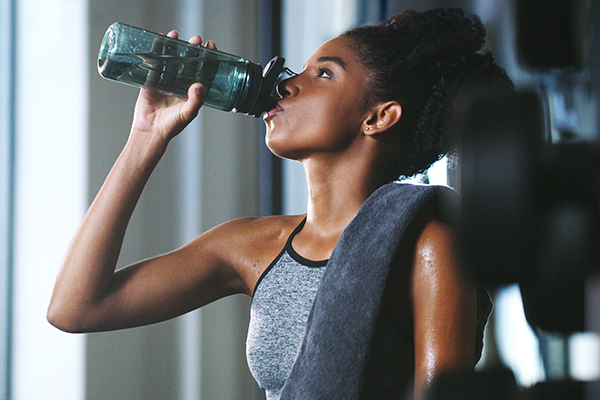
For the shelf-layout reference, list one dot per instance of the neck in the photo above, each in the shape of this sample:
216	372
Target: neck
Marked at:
338	185
336	192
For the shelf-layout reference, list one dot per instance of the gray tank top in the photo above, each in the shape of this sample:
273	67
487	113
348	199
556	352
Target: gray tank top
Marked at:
281	303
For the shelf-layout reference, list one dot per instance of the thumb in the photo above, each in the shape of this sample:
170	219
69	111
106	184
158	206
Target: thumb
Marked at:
190	108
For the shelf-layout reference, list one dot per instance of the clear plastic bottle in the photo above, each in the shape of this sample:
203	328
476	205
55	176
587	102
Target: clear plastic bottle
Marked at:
145	59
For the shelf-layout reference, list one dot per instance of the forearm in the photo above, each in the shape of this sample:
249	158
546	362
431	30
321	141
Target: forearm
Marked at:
89	264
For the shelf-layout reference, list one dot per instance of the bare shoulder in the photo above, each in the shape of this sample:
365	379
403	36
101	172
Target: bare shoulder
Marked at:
249	244
436	253
253	231
436	238
416	282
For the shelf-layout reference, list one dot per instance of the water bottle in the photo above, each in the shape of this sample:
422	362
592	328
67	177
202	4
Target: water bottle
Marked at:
145	59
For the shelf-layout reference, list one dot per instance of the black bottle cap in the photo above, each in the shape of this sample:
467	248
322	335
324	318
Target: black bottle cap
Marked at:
270	77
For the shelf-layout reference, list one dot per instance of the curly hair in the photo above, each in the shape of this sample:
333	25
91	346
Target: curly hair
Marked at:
424	60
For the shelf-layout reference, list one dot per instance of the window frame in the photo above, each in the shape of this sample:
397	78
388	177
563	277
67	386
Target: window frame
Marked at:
7	144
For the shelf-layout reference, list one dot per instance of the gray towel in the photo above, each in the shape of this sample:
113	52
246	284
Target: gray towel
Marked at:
334	351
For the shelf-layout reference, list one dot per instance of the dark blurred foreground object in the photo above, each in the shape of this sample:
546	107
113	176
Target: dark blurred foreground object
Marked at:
529	208
552	33
530	211
562	390
500	384
495	384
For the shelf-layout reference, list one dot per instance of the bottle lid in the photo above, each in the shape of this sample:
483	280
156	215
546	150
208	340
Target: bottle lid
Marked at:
262	86
271	74
262	93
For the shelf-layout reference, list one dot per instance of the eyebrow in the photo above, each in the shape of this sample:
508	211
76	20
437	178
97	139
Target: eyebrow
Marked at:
334	59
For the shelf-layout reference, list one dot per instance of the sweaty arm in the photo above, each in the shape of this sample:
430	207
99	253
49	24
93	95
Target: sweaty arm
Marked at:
444	307
88	294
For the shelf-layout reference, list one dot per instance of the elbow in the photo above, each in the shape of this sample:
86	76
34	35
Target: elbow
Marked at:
62	319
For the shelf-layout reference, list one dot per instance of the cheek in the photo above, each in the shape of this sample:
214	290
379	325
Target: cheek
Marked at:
316	124
332	114
343	116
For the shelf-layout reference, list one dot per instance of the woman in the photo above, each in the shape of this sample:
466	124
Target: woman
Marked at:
370	106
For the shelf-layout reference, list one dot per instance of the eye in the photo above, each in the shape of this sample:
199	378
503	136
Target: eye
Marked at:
324	73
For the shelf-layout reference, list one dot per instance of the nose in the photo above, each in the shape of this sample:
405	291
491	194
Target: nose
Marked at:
282	90
286	87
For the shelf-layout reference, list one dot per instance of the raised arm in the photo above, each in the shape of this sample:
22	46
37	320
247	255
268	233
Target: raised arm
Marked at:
444	307
88	295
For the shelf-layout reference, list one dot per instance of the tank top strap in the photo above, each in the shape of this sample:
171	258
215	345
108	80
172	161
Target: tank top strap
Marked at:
288	243
297	257
286	247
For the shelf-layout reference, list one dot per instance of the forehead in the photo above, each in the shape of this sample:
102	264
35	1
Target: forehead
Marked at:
338	48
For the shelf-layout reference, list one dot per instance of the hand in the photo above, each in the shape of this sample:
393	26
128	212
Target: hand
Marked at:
162	117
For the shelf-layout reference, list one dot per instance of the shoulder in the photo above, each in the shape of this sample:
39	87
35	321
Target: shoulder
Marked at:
257	229
436	236
248	245
437	274
436	253
427	275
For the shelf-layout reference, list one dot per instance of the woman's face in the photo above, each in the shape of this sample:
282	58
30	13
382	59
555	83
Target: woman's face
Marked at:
322	108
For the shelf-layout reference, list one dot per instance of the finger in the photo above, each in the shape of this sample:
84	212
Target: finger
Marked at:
211	45
197	40
173	34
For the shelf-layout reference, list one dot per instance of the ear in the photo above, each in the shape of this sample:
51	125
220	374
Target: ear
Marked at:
382	117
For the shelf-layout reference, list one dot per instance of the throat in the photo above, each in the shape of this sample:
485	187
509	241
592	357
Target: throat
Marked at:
313	244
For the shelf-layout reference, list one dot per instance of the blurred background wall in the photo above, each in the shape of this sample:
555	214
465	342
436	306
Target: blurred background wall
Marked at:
70	125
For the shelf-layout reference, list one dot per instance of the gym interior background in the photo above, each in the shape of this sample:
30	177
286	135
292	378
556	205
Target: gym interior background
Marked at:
62	126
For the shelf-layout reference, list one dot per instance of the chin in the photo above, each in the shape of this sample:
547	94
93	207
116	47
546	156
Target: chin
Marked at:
281	151
284	144
274	143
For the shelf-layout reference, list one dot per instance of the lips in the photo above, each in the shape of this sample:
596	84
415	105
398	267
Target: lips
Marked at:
272	112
